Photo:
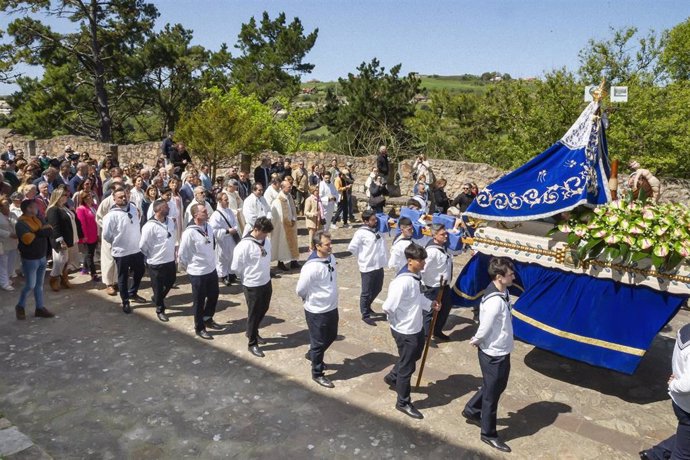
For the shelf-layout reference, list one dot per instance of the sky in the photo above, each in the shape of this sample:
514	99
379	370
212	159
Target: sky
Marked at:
524	38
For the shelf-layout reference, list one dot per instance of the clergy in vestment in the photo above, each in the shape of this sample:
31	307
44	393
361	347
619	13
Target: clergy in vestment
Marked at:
284	246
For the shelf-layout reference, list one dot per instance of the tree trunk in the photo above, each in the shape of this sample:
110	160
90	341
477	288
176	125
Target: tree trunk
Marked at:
101	94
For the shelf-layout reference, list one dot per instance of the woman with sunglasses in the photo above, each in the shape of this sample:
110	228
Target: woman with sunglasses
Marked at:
66	231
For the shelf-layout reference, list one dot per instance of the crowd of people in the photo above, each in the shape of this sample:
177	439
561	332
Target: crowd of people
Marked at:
55	212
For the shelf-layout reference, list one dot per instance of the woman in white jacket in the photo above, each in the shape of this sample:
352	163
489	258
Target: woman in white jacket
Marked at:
8	244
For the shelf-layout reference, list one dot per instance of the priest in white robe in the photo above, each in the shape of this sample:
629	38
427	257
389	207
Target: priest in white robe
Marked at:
227	233
284	246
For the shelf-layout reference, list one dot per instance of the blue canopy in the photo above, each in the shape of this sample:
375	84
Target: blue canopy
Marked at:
572	172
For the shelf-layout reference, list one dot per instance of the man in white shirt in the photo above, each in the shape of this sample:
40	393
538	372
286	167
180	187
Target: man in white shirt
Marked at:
329	197
439	263
404	306
252	263
121	229
678	445
370	249
197	256
318	288
255	206
397	259
494	341
158	246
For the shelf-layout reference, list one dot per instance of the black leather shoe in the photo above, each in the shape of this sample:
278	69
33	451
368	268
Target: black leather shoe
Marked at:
497	444
323	381
369	321
389	380
256	351
20	313
471	419
226	281
283	267
441	337
209	323
204	334
163	317
308	358
43	313
294	264
138	299
126	307
410	410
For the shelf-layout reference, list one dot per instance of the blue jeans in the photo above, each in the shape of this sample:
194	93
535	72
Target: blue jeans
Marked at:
34	273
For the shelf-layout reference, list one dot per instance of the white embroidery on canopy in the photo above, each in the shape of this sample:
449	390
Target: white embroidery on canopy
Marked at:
577	136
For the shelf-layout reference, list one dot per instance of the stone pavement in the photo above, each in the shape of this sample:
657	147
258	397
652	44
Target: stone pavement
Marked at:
96	383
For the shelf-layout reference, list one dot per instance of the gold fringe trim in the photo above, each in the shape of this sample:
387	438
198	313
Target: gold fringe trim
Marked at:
578	338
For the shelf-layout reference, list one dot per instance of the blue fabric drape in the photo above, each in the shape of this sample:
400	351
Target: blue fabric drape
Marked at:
601	322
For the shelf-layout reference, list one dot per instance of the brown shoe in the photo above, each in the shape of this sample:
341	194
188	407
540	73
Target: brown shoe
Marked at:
43	313
64	280
110	290
55	283
19	311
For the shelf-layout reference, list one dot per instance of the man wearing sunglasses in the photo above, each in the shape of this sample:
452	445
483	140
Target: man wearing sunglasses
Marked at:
158	246
121	229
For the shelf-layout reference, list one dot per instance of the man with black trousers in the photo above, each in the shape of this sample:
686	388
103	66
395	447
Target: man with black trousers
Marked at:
318	288
369	247
439	263
121	229
158	246
197	256
494	341
252	263
405	306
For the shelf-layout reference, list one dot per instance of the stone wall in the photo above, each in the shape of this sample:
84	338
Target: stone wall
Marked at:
455	172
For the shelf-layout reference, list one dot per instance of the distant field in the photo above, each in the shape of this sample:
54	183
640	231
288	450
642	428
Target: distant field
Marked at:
452	84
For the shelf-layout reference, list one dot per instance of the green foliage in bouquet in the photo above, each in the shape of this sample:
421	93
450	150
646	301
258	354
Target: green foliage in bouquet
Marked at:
628	232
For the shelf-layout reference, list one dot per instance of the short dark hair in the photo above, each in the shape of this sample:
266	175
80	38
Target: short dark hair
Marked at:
366	215
316	239
404	221
25	205
263	224
436	228
413	202
157	204
500	266
415	252
256	186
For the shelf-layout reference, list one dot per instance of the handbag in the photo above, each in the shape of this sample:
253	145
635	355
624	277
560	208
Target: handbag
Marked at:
375	201
235	236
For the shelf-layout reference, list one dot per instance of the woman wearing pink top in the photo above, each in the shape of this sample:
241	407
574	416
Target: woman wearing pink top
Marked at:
86	213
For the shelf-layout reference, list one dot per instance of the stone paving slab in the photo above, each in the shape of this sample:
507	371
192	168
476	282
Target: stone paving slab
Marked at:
95	383
12	441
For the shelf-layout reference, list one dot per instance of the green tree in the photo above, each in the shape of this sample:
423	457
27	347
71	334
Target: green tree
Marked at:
371	109
622	58
676	54
271	57
101	50
174	68
226	124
